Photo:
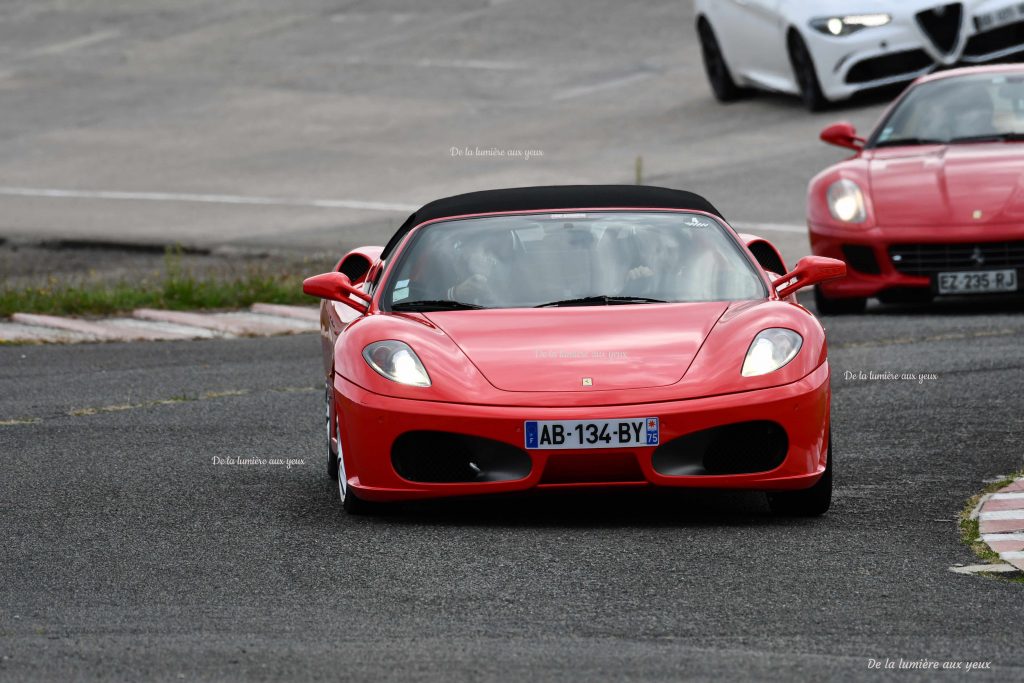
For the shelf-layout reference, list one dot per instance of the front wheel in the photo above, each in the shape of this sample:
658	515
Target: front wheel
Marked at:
826	305
332	456
805	73
811	502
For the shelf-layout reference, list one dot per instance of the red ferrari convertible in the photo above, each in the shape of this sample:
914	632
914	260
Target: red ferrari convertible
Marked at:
564	337
932	204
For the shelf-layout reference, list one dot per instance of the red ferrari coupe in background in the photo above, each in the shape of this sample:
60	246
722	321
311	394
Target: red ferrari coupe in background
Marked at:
563	337
933	202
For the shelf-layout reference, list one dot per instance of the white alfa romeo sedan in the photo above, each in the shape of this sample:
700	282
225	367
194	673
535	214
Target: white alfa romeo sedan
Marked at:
828	50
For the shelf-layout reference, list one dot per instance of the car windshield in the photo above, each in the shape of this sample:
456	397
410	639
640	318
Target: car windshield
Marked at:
956	110
578	259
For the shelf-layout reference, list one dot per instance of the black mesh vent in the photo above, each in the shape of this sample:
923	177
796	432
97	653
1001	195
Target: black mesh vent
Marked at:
942	25
927	259
905	63
767	257
741	448
444	457
997	40
861	258
356	267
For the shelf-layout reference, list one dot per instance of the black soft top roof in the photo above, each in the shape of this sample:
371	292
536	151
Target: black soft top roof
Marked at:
552	197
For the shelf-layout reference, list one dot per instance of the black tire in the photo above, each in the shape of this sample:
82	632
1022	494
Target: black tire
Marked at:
811	502
715	66
829	306
805	73
332	457
354	505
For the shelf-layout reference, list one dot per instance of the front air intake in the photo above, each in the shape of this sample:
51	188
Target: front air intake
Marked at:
942	25
740	448
448	458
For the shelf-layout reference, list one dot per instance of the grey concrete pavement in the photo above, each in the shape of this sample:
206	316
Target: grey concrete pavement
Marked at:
364	101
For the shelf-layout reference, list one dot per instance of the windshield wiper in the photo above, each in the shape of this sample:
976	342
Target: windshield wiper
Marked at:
898	142
990	137
435	305
602	301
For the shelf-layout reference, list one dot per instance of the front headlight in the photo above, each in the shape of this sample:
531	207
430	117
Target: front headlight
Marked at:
397	362
851	23
771	349
846	202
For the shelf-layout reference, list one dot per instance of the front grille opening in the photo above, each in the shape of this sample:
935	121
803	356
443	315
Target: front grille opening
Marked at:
908	63
741	448
929	259
942	26
1002	39
861	258
591	468
448	458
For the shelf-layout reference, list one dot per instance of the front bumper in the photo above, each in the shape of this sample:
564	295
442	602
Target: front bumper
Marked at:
903	50
923	252
872	58
371	423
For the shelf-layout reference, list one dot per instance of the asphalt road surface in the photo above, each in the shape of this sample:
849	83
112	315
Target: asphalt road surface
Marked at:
129	554
126	553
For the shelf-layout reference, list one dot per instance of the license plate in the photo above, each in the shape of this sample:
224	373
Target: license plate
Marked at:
1000	17
978	282
584	434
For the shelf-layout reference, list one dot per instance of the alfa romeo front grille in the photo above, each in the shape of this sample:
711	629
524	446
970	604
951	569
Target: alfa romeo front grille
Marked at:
942	26
928	259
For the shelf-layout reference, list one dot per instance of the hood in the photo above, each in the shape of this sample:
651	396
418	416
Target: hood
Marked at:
555	349
948	185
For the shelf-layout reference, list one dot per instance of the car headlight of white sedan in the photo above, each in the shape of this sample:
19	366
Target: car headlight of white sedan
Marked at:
850	23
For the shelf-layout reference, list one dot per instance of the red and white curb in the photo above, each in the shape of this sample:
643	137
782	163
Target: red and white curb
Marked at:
1001	523
1000	518
146	324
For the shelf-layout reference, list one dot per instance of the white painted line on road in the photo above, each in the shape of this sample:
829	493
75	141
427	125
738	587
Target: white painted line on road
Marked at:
573	93
1003	537
483	64
753	228
1008	496
55	193
356	204
75	44
1012	555
475	64
984	568
1002	514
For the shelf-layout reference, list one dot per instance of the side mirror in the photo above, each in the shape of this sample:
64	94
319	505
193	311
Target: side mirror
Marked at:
810	270
843	135
337	287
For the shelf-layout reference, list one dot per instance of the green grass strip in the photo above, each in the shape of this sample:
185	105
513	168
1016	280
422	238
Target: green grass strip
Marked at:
173	289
